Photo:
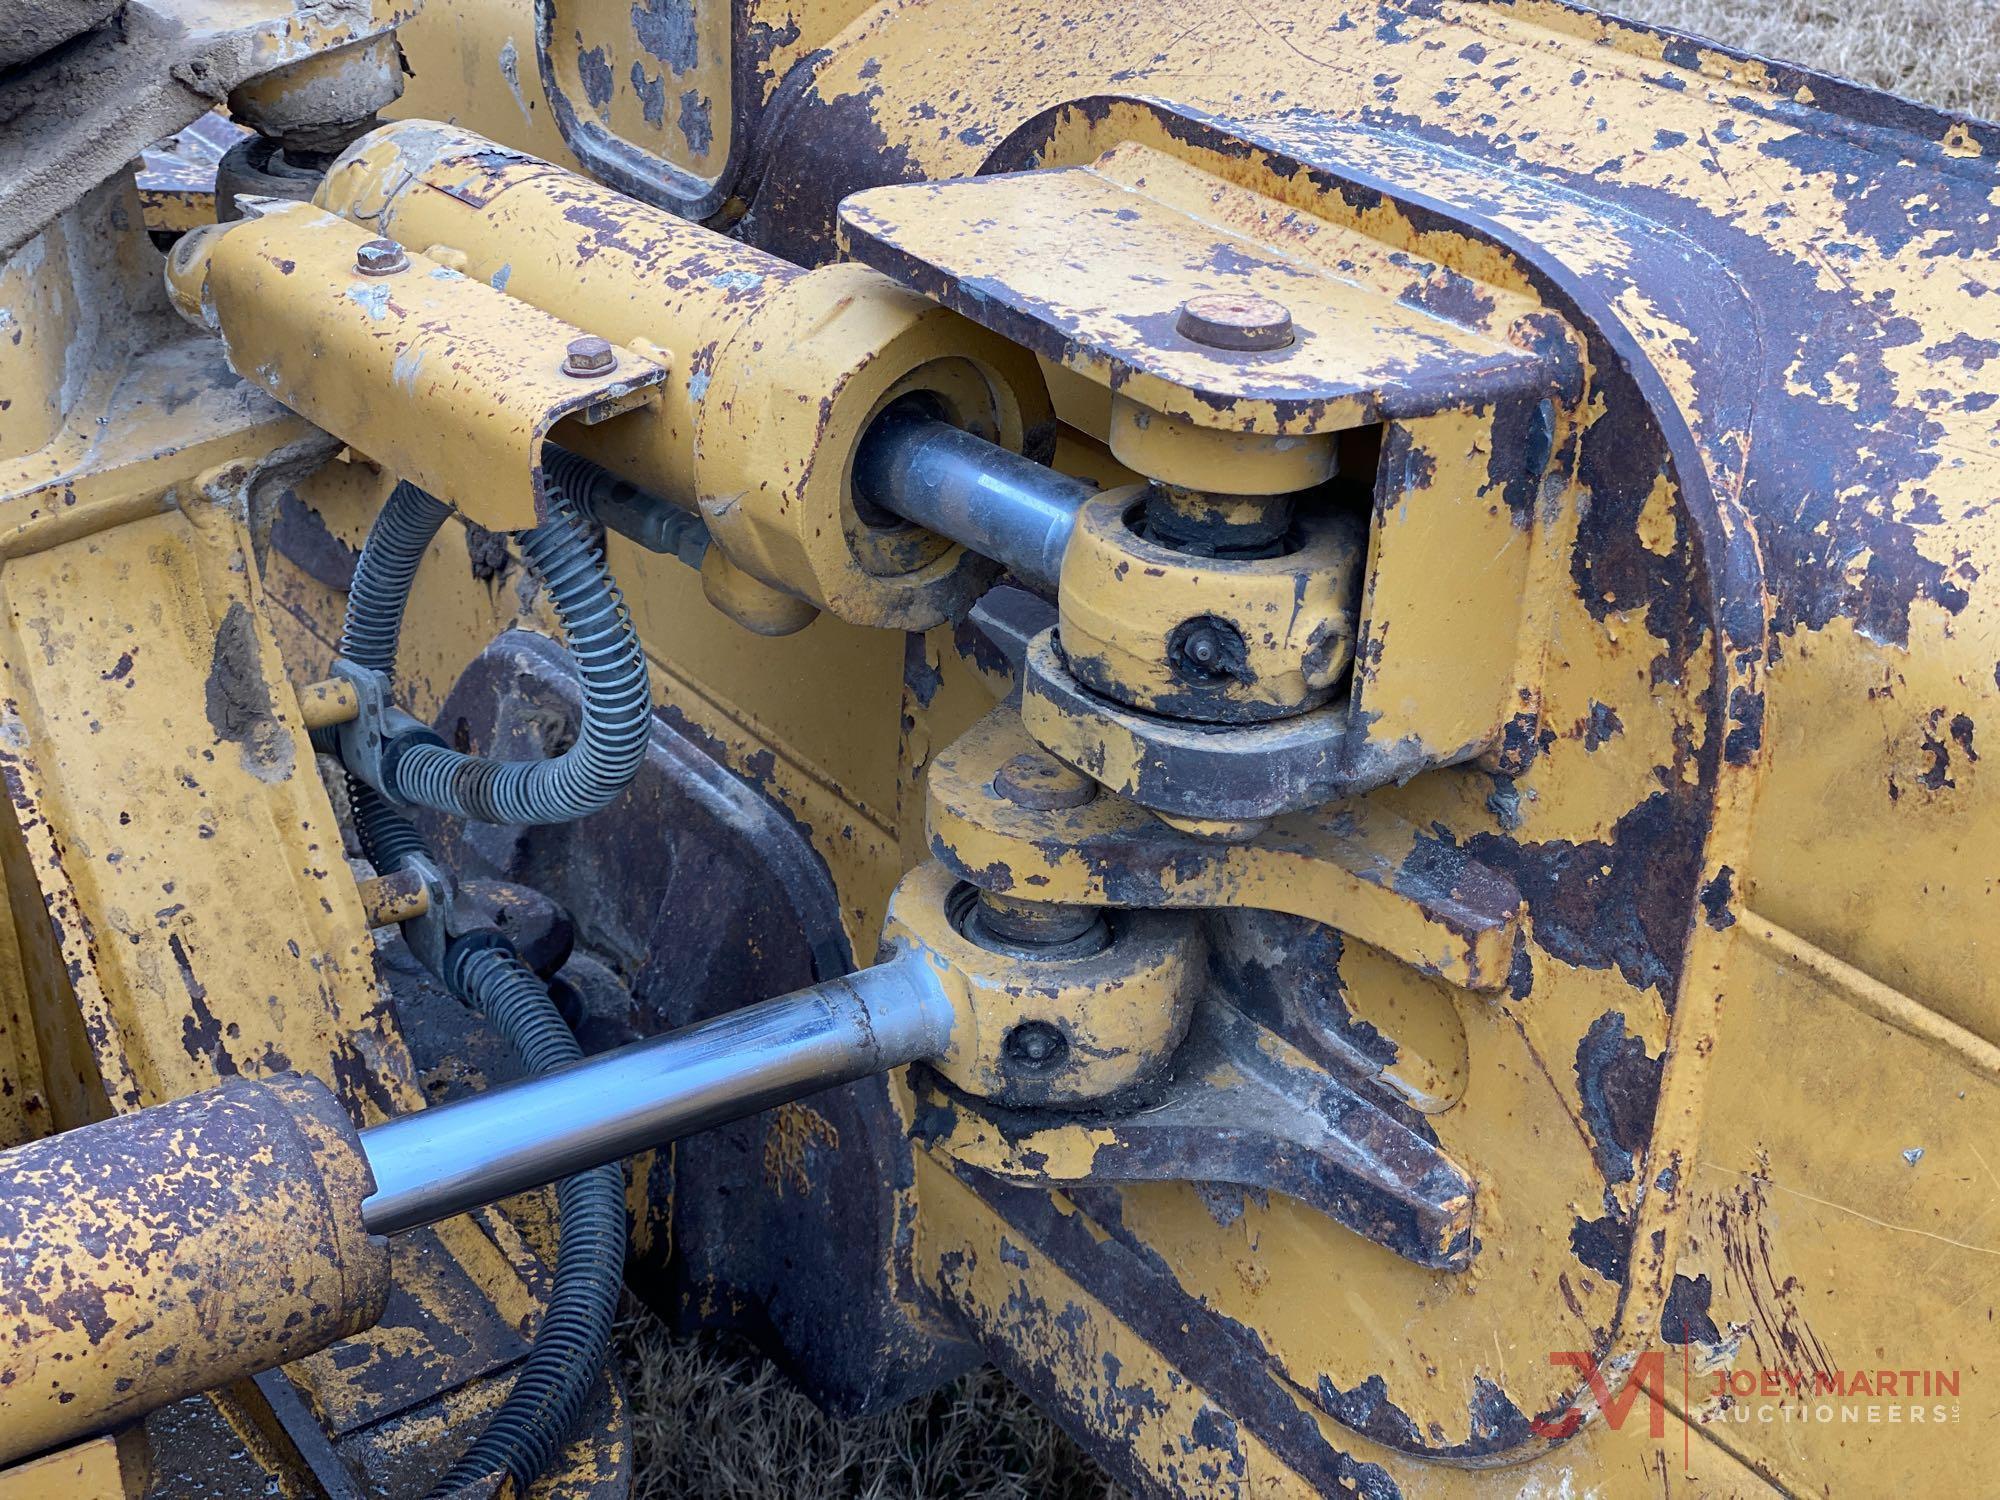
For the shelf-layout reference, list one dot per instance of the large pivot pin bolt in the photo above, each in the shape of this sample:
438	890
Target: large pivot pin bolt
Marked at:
1042	783
1235	321
380	258
588	356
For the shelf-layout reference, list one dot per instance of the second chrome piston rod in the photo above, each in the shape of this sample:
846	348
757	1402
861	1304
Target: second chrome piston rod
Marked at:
460	1156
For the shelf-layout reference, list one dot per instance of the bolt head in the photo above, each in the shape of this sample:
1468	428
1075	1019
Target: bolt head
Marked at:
1236	321
1042	783
589	355
1035	1046
1206	650
380	258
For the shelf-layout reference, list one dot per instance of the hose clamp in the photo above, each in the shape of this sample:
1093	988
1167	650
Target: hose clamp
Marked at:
369	742
429	935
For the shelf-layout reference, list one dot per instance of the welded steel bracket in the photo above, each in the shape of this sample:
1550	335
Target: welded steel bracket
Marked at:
1179	767
1240	1106
1350	865
436	377
1090	266
1470	392
367	738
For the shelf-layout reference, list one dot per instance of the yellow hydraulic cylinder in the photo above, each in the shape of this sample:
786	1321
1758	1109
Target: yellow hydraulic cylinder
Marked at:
775	371
170	1251
572	247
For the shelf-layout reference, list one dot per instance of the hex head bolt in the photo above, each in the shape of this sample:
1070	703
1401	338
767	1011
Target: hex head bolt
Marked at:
588	357
1035	1047
1206	650
1203	649
380	258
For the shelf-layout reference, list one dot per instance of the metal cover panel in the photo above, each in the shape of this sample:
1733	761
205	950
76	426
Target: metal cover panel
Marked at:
434	376
1089	267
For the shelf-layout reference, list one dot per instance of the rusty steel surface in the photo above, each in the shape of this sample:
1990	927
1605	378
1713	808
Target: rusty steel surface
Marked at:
177	1249
177	177
1240	1110
1440	910
1094	265
1698	145
1782	456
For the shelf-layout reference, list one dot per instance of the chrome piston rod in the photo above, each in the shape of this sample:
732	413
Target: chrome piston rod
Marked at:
463	1155
999	504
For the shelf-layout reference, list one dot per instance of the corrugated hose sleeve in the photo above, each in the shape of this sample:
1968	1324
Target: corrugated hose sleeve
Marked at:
556	1380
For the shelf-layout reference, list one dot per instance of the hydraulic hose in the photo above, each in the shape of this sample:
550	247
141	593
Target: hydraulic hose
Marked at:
369	635
542	1408
384	574
562	1368
617	696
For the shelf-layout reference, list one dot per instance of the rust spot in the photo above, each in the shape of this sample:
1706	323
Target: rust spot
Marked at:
487	552
593	69
1601	1245
1601	726
1715	898
1961	734
1685	1318
201	1032
695	123
1620	1088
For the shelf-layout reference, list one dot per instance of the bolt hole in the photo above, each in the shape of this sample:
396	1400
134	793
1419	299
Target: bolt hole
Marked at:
1035	1047
1207	650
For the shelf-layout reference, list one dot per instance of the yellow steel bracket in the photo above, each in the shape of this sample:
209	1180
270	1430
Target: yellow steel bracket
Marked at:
100	1467
1115	271
167	815
1351	866
1110	254
1121	1010
434	376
